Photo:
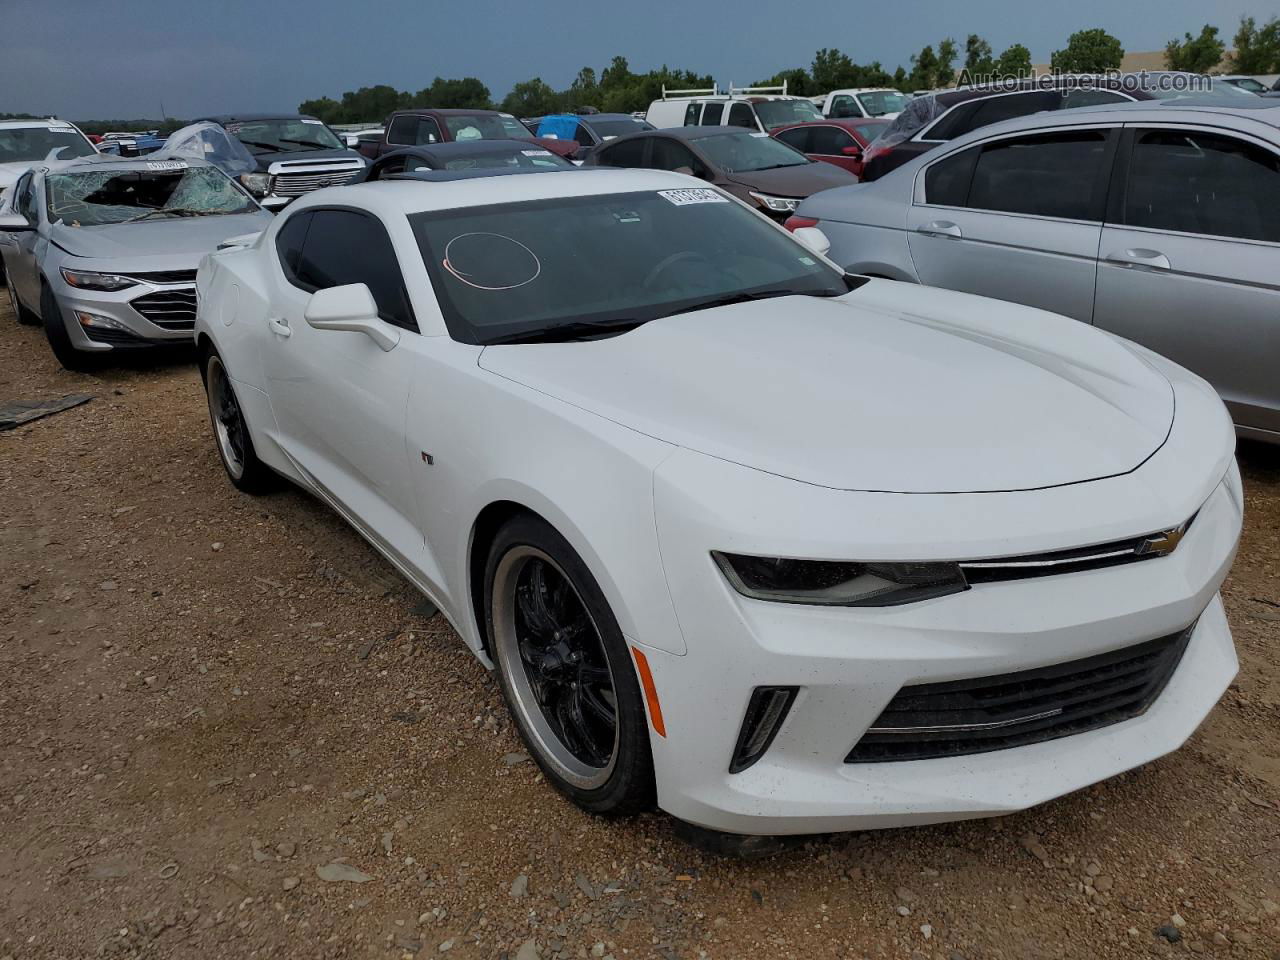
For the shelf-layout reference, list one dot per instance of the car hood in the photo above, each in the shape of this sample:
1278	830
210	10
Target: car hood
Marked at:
267	158
890	388
188	235
796	181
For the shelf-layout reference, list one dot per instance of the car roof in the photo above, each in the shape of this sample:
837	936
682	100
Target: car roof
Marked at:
45	122
452	112
246	117
449	176
687	133
446	190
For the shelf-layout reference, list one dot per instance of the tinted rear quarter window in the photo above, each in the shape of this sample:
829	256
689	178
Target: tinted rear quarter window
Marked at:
342	247
798	138
947	181
623	153
1049	175
1193	182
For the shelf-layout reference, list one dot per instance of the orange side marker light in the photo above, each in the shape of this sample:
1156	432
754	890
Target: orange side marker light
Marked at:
650	692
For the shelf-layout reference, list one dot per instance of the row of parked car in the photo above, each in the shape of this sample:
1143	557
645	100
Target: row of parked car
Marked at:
745	534
1082	213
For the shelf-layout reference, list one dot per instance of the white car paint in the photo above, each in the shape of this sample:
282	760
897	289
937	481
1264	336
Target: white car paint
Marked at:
829	430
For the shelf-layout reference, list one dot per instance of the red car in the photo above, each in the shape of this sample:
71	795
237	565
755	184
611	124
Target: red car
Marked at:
835	141
422	127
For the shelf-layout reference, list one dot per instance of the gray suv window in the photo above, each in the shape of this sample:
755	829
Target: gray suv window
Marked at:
1192	182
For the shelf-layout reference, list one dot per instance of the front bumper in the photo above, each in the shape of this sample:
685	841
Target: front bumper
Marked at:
849	663
130	328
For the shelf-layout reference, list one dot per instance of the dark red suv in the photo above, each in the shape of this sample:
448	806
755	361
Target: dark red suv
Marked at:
415	128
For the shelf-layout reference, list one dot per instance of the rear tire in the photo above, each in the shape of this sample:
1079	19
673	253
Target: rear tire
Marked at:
23	315
566	672
55	331
231	431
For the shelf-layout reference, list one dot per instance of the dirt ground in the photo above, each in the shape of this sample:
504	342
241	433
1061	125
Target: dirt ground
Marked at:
206	697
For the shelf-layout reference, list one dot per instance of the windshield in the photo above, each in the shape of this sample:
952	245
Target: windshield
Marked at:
485	127
517	269
42	143
781	113
120	196
608	129
877	103
287	135
744	152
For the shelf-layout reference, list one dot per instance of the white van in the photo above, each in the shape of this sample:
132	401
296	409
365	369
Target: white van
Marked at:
756	108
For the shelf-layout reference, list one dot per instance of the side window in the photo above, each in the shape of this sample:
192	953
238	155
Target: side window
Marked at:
830	141
741	115
798	138
946	182
428	131
711	114
623	153
1054	175
670	154
691	114
1193	182
845	106
982	113
403	130
343	247
583	135
289	241
1091	98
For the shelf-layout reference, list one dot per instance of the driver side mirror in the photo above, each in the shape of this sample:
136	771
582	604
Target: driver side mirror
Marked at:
14	223
352	140
851	151
813	238
350	307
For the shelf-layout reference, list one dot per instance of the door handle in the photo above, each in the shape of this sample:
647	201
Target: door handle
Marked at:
279	327
941	228
1149	259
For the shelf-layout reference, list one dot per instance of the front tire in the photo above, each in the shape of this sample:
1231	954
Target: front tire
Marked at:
23	315
566	672
55	331
231	431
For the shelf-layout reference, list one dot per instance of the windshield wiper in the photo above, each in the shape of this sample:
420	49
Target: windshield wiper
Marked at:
578	330
273	147
307	143
172	212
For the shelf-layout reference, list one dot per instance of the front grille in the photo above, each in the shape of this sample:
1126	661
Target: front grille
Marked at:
296	184
961	717
170	309
166	276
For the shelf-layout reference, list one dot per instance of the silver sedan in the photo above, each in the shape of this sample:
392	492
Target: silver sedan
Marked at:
1160	223
103	252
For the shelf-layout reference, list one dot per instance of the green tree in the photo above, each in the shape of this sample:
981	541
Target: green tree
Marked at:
1088	51
444	94
531	98
1257	49
584	91
1195	54
616	75
946	74
797	79
1014	62
325	108
924	70
371	104
900	79
977	57
832	70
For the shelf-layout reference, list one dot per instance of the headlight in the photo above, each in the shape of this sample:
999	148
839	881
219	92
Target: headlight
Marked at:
837	583
91	280
259	184
776	204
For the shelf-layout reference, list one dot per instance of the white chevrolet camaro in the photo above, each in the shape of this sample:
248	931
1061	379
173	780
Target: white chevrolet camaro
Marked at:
777	549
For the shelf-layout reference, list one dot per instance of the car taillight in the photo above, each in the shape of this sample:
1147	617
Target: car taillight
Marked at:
795	222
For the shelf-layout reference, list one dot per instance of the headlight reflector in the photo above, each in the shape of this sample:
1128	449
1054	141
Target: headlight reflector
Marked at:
258	184
92	280
838	583
776	204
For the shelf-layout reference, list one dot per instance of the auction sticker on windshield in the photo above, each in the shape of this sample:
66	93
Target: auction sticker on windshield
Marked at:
692	195
166	164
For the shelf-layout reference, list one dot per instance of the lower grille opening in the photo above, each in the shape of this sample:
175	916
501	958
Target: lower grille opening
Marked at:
961	717
766	711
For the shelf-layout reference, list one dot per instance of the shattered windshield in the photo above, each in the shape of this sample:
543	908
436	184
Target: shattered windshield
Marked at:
287	135
123	196
42	143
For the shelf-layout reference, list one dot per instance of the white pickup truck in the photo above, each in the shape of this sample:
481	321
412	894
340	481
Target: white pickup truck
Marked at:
862	102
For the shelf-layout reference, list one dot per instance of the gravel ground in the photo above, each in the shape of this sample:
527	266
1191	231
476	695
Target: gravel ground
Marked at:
230	731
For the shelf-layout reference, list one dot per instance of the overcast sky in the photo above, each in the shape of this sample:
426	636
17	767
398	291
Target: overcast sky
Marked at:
118	59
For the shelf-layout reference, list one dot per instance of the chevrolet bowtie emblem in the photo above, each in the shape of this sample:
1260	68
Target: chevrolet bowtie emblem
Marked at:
1164	542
